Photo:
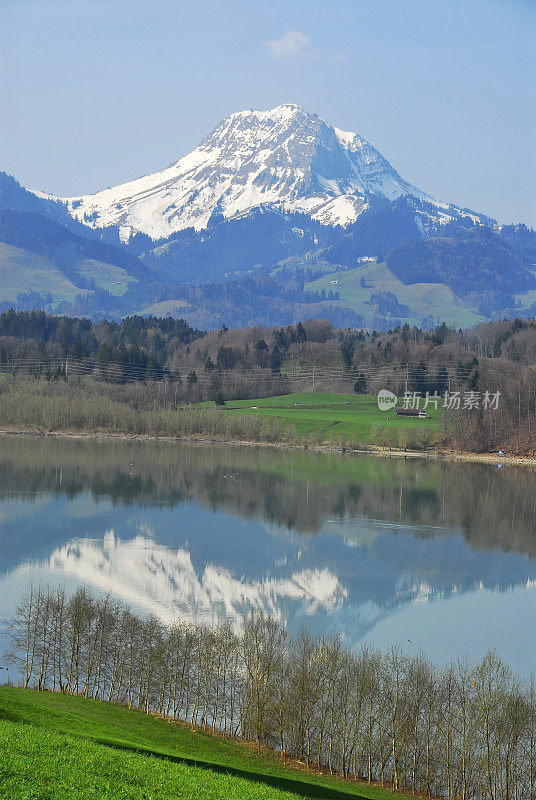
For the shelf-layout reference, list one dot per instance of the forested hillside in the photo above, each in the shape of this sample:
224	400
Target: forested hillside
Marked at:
471	261
259	362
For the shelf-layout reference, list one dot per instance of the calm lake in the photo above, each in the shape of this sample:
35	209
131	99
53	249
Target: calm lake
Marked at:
432	556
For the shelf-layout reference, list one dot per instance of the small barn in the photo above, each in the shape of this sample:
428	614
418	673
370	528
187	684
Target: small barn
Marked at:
419	413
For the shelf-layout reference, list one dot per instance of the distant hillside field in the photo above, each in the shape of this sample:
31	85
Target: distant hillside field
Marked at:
59	747
22	271
165	307
357	286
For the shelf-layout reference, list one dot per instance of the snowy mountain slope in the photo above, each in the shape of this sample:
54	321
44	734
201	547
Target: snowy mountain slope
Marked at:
284	158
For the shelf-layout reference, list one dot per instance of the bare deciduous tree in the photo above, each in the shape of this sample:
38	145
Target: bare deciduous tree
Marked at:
457	732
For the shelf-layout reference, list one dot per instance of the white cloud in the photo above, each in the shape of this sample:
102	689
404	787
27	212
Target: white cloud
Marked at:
291	44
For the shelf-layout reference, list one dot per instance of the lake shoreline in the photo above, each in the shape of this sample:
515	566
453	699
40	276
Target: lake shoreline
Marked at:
434	454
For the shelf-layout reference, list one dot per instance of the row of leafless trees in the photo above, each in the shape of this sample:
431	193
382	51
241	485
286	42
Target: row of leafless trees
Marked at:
132	410
457	732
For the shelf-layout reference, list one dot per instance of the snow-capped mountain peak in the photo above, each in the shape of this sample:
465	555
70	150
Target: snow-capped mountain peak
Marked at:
285	157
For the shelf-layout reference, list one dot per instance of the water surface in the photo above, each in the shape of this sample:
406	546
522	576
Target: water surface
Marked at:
438	556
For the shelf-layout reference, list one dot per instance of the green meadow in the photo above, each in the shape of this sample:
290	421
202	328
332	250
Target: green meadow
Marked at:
332	417
60	747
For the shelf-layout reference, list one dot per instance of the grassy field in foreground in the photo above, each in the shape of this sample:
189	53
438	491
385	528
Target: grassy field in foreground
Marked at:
331	416
62	747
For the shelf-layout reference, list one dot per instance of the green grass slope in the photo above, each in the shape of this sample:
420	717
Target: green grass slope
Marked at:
164	307
43	764
106	276
330	415
423	299
62	747
23	271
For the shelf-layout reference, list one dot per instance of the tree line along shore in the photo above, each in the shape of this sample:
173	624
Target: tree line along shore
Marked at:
461	731
92	407
86	407
61	373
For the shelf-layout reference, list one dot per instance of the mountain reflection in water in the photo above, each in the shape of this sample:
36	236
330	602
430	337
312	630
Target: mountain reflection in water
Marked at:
205	533
165	582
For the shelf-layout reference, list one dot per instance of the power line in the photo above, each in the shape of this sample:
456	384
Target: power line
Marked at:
133	373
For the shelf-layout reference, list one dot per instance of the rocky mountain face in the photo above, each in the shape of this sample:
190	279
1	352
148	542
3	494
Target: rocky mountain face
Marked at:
285	158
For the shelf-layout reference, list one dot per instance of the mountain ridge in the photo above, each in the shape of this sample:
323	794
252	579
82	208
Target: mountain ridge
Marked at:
259	222
284	158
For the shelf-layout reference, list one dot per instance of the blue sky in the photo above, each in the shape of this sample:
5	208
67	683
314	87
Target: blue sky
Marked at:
95	92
